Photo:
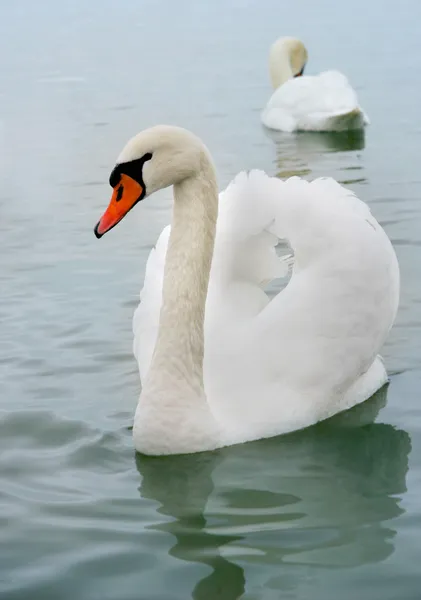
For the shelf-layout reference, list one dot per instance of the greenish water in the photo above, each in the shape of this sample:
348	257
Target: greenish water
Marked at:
329	512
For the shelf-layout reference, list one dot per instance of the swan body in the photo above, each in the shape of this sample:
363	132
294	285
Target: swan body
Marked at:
220	361
324	102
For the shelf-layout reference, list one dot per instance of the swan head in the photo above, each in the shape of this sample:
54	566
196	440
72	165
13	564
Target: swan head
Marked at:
152	160
288	58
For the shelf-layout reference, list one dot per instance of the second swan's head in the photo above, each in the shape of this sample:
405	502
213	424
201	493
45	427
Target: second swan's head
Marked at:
288	58
152	160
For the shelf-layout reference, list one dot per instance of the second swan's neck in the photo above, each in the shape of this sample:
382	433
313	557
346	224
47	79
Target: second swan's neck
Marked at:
179	349
279	65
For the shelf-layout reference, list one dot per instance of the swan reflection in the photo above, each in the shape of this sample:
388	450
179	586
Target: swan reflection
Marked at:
320	497
319	154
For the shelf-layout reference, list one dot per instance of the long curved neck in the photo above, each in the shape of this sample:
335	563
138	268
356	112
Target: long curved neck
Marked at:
279	65
179	348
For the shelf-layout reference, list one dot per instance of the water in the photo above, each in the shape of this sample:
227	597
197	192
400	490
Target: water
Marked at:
332	510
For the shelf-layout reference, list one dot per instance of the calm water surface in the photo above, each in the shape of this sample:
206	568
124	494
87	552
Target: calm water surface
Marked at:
330	512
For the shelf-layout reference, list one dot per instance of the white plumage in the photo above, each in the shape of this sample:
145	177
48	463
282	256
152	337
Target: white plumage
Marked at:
325	102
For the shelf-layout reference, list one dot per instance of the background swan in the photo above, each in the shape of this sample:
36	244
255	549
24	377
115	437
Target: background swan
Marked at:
324	102
254	367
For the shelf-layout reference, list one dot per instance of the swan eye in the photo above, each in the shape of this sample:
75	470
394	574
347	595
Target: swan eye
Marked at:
119	193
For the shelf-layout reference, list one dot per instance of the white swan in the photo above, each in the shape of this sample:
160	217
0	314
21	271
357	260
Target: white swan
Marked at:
324	102
256	367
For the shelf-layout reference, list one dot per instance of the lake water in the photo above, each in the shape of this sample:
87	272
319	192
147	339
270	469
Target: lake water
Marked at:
330	512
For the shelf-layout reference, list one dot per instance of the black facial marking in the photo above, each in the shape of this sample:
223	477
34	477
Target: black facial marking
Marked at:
132	168
115	176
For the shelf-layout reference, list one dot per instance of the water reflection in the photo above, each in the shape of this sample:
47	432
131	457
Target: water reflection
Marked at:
302	153
183	485
324	496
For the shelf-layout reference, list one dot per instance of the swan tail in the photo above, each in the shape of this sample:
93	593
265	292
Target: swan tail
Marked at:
346	120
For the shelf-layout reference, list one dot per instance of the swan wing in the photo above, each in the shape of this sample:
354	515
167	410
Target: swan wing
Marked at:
287	361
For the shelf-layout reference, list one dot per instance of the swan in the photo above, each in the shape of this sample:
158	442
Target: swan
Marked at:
256	366
324	102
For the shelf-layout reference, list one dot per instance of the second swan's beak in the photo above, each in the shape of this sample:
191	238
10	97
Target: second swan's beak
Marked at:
126	194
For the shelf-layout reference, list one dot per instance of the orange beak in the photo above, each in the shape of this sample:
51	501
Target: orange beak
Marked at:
125	195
